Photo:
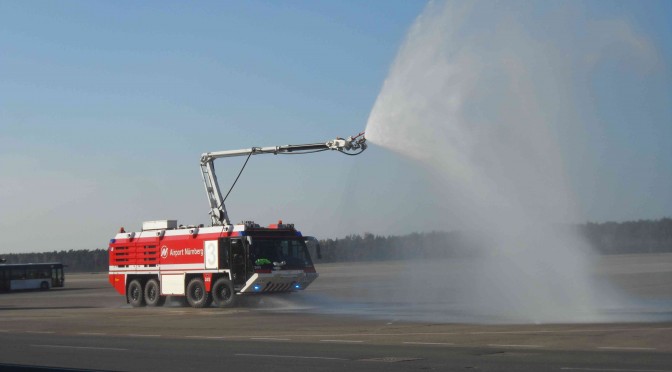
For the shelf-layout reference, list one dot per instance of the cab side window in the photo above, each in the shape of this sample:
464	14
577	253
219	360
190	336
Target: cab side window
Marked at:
224	246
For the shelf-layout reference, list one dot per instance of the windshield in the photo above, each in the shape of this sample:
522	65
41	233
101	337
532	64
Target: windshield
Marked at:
293	252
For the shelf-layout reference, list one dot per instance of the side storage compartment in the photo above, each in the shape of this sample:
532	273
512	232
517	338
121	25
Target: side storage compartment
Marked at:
172	284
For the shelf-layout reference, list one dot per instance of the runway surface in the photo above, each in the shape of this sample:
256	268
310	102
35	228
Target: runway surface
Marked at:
332	325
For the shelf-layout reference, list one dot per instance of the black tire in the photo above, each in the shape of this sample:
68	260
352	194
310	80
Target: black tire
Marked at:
223	294
44	286
134	294
197	296
153	293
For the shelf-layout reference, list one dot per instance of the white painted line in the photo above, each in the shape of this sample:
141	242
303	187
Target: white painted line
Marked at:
80	347
567	331
542	331
353	335
427	343
613	370
625	348
288	356
390	334
138	335
345	341
450	333
91	334
41	332
269	339
501	345
208	337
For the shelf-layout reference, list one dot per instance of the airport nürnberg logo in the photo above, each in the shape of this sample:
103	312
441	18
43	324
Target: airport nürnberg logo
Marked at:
164	252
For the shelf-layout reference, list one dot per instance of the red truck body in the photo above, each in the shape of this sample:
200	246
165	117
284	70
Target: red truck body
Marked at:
246	258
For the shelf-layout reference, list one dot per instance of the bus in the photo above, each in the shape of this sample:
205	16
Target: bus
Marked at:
17	277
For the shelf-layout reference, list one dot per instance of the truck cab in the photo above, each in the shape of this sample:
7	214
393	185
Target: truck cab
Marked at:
273	259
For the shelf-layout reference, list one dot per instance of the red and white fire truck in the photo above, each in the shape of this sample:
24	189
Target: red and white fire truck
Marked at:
218	263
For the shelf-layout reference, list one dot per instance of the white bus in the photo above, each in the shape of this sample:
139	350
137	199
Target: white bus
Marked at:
17	277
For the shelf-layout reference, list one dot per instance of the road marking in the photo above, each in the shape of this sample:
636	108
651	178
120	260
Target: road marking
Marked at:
346	335
613	370
208	337
625	348
81	347
384	334
345	341
138	335
269	339
40	332
543	331
567	331
427	343
501	345
287	356
91	333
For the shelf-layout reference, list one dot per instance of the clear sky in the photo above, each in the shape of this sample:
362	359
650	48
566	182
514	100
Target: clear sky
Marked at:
105	108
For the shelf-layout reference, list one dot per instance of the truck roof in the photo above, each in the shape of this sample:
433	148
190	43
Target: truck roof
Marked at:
245	228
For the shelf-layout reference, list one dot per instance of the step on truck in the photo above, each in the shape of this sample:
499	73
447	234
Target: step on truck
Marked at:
221	262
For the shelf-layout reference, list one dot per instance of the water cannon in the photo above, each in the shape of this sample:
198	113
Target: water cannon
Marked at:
346	145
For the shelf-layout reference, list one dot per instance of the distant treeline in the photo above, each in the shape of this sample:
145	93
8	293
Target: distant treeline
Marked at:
645	236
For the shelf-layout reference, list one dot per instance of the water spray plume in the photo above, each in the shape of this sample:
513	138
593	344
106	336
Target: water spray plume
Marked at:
478	94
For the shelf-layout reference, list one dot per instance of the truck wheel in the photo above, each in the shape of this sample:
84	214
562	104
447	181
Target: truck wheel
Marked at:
153	293
134	294
197	296
223	294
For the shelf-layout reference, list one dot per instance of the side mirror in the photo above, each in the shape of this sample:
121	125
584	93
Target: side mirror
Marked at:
311	240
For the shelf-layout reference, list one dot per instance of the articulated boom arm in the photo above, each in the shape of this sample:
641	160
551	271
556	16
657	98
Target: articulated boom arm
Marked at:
351	146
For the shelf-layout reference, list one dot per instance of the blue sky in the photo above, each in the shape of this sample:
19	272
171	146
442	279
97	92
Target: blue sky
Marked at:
105	108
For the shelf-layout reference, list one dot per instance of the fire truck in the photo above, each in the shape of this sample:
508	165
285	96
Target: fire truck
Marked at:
218	263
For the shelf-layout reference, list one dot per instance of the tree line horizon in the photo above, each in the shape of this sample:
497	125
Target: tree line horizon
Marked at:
630	237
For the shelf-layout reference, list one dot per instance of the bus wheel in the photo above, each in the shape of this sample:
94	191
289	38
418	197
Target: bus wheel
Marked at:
44	286
153	293
222	293
197	296
134	294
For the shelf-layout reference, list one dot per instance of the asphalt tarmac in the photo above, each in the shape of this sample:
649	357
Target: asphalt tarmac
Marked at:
87	325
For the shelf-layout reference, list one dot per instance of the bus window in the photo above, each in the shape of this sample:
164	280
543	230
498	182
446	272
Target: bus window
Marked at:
31	273
44	273
4	280
17	274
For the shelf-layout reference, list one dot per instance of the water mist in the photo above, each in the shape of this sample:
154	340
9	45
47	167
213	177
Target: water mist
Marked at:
478	95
